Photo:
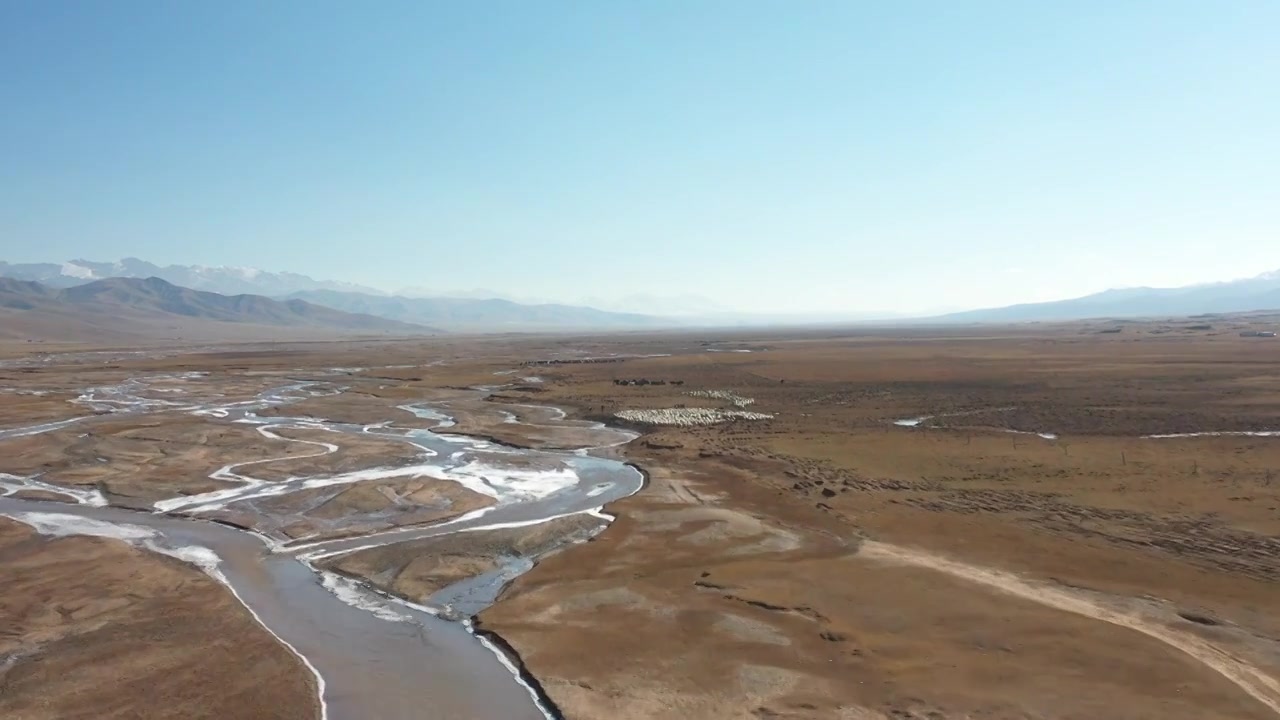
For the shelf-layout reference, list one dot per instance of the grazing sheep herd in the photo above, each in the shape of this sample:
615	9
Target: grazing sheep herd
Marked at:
689	417
725	395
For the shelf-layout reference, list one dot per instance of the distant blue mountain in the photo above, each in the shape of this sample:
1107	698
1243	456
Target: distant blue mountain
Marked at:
478	314
1257	293
482	314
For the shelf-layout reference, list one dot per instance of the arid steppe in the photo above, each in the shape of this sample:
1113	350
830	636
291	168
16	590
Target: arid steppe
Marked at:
1016	522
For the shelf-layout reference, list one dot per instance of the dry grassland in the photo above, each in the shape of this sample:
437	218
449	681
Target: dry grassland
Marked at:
1097	574
827	563
97	629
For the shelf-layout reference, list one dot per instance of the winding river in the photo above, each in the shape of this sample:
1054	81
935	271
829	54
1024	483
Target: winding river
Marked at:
373	656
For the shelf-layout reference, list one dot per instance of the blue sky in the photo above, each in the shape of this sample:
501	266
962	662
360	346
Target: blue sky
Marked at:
788	156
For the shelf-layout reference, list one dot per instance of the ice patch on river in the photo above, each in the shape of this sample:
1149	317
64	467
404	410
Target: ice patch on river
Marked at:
322	549
250	487
483	467
354	594
254	489
10	484
201	557
510	484
504	484
63	525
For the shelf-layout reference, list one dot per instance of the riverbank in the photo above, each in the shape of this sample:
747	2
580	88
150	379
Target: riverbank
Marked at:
300	476
107	624
1008	574
1037	549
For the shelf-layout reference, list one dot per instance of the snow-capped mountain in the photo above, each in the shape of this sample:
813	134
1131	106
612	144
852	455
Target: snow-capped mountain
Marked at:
449	313
223	280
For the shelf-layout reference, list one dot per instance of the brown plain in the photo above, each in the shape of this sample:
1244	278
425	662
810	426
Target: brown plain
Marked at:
830	564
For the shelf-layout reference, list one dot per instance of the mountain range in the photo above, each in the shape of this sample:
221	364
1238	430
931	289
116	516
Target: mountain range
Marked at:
224	280
475	313
118	309
1256	293
478	314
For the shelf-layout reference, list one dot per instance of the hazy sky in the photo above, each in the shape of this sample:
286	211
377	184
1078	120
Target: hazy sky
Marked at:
769	155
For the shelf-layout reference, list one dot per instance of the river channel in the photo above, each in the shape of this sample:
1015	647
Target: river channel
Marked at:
373	656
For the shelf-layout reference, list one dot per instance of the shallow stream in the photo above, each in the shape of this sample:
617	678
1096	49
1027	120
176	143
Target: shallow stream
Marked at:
374	656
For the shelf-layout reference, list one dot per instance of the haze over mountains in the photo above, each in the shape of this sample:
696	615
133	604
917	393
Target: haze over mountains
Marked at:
477	310
118	309
478	314
1261	292
485	310
683	305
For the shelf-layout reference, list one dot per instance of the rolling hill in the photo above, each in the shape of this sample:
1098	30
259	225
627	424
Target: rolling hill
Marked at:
152	308
1257	293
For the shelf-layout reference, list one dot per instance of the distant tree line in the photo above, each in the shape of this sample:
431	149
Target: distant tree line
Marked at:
646	381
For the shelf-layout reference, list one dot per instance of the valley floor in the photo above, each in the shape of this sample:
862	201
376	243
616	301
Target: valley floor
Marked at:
1045	522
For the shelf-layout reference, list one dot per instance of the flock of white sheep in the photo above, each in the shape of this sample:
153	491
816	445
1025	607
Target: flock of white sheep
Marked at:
725	395
689	417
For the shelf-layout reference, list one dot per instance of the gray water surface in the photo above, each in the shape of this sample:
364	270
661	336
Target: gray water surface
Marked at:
416	665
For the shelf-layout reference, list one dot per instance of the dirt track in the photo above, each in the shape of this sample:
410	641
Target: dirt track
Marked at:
829	563
1257	683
